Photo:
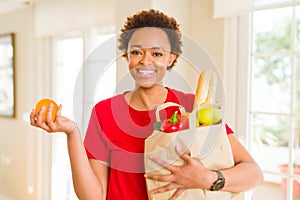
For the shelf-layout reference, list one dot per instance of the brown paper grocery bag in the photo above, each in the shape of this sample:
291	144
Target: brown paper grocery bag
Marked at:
209	144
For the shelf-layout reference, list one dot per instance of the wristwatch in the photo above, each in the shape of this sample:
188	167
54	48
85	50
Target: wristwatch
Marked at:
219	183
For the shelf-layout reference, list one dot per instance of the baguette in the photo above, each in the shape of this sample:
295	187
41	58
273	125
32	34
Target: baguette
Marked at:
206	88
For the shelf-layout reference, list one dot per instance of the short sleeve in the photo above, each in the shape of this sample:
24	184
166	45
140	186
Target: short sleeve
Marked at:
228	130
95	141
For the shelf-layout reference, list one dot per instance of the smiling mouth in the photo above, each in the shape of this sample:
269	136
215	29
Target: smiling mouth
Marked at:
145	72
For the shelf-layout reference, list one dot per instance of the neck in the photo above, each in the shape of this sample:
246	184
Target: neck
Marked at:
147	98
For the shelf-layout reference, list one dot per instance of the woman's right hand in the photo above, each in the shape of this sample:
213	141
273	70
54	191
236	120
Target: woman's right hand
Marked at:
61	123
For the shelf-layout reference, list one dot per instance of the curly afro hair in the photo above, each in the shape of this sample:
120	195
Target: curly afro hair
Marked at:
152	18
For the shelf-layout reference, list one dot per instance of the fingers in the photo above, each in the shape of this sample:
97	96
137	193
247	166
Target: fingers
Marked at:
32	117
177	193
36	120
159	177
159	161
168	166
49	114
169	187
165	188
162	163
39	117
184	155
58	112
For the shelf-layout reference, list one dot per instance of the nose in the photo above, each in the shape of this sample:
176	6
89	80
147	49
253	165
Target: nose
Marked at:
146	58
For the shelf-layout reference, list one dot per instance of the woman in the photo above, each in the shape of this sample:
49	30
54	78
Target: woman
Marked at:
109	164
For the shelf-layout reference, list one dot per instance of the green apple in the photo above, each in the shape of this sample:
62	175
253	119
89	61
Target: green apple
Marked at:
209	116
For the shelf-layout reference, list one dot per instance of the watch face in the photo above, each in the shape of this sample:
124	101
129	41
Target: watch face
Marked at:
218	185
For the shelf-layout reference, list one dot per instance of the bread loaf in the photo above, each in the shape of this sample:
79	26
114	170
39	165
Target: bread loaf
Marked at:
206	87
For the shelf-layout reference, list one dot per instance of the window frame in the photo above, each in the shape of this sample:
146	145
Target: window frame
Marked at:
89	37
237	81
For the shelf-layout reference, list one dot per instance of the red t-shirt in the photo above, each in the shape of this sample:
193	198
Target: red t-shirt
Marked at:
116	135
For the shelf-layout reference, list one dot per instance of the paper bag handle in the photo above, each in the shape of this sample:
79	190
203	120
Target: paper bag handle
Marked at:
166	105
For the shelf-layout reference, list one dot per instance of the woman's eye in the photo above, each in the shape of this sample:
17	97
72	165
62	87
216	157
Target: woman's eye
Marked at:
157	54
135	52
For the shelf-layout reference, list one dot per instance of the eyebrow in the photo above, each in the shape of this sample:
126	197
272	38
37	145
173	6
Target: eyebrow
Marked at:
139	46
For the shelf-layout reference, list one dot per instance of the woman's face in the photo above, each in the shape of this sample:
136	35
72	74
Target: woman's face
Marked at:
148	56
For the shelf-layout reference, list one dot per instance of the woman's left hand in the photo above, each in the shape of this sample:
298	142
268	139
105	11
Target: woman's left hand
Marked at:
192	174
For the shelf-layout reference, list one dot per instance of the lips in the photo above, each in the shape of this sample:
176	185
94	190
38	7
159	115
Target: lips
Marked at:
145	72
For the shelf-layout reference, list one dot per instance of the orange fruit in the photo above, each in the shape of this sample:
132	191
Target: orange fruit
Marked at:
46	103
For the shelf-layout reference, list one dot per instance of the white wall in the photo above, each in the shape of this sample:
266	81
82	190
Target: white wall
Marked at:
15	153
206	30
23	169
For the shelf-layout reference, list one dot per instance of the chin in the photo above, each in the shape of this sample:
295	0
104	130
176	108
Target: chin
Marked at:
148	85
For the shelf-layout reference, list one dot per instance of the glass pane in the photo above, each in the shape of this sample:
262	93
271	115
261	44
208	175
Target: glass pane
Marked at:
297	141
272	30
72	62
7	87
271	84
297	86
297	41
296	185
270	141
68	59
270	130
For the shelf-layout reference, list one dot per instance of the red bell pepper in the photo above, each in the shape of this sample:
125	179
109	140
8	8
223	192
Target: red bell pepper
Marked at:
176	123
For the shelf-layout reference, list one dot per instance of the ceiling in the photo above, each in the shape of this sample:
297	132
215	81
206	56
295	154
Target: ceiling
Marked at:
10	5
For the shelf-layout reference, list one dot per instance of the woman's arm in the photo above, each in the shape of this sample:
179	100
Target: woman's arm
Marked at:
89	178
244	175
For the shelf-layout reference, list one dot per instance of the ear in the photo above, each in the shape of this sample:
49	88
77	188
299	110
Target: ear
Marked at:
125	55
172	58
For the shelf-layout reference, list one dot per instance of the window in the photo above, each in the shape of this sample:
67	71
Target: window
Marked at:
274	109
73	67
67	61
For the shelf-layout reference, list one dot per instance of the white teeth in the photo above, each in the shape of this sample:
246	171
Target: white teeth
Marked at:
146	72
